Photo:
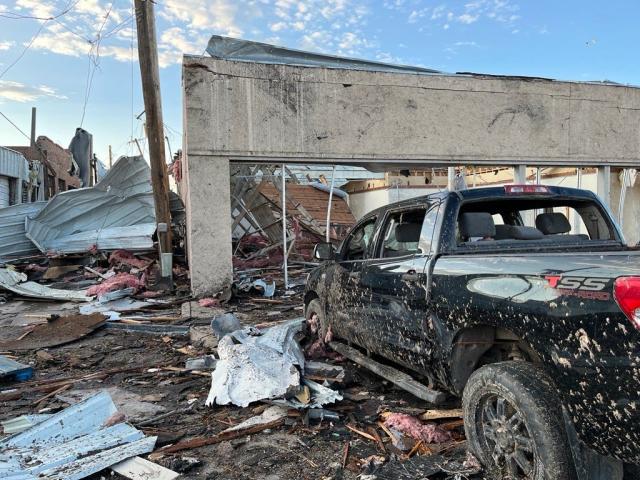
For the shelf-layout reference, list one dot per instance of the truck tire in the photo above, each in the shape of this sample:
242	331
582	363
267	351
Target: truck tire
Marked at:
514	425
315	309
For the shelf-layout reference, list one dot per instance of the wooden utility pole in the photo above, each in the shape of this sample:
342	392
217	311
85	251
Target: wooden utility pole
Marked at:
148	59
33	127
110	157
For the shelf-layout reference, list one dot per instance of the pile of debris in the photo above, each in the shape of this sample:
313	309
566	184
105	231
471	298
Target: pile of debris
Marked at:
256	210
117	213
158	383
194	383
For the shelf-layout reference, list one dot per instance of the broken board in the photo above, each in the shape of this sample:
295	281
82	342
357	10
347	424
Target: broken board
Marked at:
56	332
394	375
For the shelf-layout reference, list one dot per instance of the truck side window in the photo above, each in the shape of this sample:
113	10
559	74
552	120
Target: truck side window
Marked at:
402	233
428	229
359	240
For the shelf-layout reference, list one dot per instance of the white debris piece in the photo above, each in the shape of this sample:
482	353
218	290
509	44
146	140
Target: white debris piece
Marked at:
264	365
16	282
271	414
250	372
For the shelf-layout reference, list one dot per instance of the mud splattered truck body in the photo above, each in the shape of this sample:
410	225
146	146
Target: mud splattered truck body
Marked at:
524	300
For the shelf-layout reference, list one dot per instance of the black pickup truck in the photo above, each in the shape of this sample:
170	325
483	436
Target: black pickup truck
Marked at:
523	300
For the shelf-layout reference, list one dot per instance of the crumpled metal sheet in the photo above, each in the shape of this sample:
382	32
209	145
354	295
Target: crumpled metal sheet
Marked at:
16	282
280	338
236	49
264	365
250	372
80	148
14	243
72	444
118	212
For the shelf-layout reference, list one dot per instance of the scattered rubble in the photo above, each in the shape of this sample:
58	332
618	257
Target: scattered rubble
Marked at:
235	377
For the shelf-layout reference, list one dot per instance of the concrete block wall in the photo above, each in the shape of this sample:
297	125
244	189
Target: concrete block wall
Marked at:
262	113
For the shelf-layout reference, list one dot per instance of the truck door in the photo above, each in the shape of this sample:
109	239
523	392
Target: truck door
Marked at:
344	298
395	286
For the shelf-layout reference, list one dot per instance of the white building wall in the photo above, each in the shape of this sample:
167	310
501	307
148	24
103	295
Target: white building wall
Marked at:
362	203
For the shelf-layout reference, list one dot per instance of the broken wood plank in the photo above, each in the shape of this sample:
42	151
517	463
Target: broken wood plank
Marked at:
138	468
221	437
394	375
438	414
366	435
53	273
452	424
95	272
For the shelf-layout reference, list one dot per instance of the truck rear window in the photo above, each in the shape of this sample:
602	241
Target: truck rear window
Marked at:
516	220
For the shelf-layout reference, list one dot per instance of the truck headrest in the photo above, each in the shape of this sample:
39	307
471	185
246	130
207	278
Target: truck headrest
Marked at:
553	223
477	224
517	232
408	232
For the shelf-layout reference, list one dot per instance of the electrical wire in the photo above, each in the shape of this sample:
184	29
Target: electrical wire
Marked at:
18	16
132	78
94	61
16	126
26	48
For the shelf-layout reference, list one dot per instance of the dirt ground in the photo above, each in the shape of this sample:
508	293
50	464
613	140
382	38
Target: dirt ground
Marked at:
162	398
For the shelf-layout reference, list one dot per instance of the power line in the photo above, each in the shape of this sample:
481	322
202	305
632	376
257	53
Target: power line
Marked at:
33	39
18	16
94	60
16	127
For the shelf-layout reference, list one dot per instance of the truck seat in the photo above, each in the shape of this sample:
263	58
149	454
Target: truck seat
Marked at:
556	226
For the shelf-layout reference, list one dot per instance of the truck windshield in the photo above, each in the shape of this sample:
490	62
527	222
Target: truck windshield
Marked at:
511	220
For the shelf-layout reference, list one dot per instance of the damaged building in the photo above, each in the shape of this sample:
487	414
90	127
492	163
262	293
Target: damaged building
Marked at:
60	172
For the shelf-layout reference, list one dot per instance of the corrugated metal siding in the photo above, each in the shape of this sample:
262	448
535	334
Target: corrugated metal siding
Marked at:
4	192
11	163
13	241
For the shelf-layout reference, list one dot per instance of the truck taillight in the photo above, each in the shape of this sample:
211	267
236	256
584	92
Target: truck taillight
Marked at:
626	291
519	189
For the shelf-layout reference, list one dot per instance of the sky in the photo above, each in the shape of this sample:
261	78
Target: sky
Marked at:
76	60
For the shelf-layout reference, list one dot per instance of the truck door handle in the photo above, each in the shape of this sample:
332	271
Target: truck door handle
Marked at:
410	276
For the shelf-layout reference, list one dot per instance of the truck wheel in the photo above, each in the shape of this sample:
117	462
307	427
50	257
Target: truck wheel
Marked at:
315	315
514	425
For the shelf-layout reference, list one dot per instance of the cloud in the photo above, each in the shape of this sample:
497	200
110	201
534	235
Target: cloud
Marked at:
466	44
416	15
438	12
184	26
318	41
276	27
36	8
6	45
174	43
467	18
19	92
209	15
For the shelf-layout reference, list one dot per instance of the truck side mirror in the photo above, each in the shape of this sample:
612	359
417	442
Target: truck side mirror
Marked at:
324	251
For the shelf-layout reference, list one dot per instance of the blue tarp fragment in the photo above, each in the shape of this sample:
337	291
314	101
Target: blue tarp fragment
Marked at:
10	368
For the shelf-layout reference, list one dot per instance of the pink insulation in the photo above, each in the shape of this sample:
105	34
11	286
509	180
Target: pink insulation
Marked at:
427	432
124	257
209	302
117	282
